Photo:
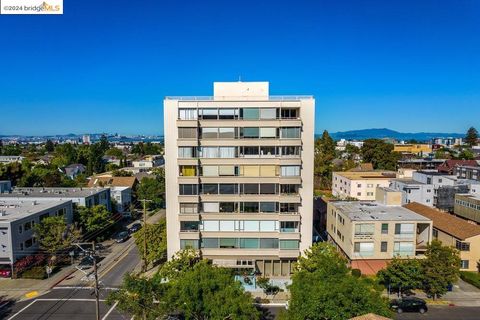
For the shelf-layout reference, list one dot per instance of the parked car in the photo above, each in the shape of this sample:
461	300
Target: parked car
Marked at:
122	237
5	272
135	227
409	304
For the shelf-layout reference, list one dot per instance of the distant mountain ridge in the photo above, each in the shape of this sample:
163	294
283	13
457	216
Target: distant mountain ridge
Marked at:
382	133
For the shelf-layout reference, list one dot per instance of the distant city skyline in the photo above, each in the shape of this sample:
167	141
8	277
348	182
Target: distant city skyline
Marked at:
410	66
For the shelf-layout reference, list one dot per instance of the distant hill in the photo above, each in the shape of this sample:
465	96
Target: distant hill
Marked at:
392	134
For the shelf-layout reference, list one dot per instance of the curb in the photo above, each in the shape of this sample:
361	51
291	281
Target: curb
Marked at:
63	278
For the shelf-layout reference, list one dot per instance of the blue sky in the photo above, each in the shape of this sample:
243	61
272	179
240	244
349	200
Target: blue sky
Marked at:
105	66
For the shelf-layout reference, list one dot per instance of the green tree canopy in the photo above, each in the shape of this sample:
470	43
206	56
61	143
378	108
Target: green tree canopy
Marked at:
440	268
402	274
471	137
152	189
49	146
156	236
380	154
324	154
94	219
324	288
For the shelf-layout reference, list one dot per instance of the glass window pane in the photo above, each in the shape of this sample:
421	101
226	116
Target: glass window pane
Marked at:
209	152
268	207
250	188
188	244
269	243
228	242
288	244
270	113
227	225
209	242
268	132
227	133
227	113
209	133
267	225
268	188
251	113
210	207
227	188
251	226
187	114
209	113
290	133
249	207
249	243
226	170
209	188
228	207
290	171
227	152
251	132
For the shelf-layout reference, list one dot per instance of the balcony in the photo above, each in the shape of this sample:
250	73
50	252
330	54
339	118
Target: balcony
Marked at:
363	236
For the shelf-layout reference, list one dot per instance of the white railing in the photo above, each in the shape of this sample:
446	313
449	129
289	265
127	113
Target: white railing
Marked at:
220	98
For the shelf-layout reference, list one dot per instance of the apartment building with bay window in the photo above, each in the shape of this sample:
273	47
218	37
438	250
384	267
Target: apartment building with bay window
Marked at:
239	176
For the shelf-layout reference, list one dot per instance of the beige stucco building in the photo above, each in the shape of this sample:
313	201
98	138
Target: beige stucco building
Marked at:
239	176
359	185
370	234
468	206
453	231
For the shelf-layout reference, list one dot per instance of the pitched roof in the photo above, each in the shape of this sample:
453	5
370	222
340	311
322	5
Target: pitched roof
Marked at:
370	316
445	222
448	165
112	181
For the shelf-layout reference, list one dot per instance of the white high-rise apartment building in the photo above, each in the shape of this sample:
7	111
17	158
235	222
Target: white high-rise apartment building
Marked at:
239	176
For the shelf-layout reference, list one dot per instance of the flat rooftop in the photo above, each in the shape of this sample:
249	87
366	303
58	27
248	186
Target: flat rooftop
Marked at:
408	181
365	175
469	196
374	211
52	192
11	210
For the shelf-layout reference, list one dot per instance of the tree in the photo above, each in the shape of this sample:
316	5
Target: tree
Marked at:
103	144
466	154
152	189
122	173
65	154
380	154
324	154
49	146
114	152
324	288
441	268
402	274
195	289
94	219
54	234
156	235
472	137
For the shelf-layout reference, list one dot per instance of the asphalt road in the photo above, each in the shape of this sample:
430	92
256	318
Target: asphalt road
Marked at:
114	277
444	313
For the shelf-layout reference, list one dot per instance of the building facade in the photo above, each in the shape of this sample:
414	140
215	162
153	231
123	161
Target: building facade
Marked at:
468	206
413	191
359	185
370	234
239	176
467	172
17	219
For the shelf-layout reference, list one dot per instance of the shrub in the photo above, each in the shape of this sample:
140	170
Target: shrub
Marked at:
35	273
357	273
471	277
23	264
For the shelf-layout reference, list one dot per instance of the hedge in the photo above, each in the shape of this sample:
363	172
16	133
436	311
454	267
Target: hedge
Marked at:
471	277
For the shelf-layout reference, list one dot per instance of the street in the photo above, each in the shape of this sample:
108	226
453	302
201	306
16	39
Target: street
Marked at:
444	313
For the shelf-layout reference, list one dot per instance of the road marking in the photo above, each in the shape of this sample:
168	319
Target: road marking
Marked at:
23	309
110	311
67	299
31	294
116	260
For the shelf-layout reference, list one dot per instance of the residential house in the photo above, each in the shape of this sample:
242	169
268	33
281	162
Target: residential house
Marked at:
73	170
448	166
11	159
121	189
359	185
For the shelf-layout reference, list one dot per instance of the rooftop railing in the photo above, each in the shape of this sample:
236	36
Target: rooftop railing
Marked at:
242	98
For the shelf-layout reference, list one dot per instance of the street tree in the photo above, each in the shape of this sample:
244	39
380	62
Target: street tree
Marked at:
54	234
324	288
156	239
402	274
324	154
152	189
441	268
471	137
380	154
94	219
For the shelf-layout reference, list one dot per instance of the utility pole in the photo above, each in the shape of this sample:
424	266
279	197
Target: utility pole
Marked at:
145	233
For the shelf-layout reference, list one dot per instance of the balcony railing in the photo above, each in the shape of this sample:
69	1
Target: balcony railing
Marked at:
211	98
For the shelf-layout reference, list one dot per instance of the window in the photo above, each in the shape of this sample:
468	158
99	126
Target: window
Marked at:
21	246
227	207
288	244
227	152
228	243
188	189
27	226
435	233
20	229
209	188
363	249
29	243
268	188
250	113
268	132
249	207
462	246
209	242
188	208
250	171
226	170
290	133
188	244
268	226
187	152
464	264
369	185
359	193
226	133
209	152
403	248
249	152
209	133
187	133
229	188
187	114
269	243
187	226
270	113
369	194
384	228
251	226
268	171
188	171
288	207
228	113
404	230
227	225
288	226
384	246
364	229
210	171
209	114
250	132
211	207
290	171
249	188
268	207
247	243
289	113
290	151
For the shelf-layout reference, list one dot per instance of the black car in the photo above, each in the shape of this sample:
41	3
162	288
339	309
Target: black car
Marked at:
122	237
135	227
409	304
